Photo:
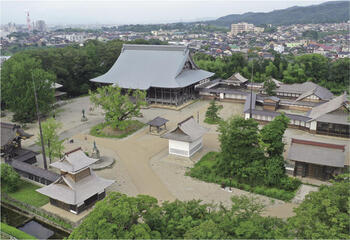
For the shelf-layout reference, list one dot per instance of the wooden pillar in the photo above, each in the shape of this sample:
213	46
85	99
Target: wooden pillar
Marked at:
162	94
155	95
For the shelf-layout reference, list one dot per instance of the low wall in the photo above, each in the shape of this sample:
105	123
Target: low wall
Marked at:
38	212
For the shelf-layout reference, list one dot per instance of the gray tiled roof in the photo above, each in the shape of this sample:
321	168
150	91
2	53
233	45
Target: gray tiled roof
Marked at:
274	114
158	121
24	154
316	155
237	77
337	118
188	131
246	107
145	66
70	192
74	161
301	88
36	171
327	107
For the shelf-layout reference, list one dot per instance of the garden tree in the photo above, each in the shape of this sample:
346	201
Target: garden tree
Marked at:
241	155
10	179
271	70
53	145
294	74
271	135
316	66
339	76
324	214
17	92
271	139
206	230
269	87
211	116
119	216
118	106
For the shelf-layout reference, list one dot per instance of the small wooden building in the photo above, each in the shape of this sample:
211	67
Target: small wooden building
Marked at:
316	159
186	139
271	103
78	187
34	173
11	147
157	125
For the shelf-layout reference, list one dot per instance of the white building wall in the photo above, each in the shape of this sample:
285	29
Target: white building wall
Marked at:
313	125
195	146
179	148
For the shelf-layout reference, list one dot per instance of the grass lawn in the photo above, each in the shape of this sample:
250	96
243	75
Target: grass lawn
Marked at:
205	170
18	234
104	130
211	121
26	193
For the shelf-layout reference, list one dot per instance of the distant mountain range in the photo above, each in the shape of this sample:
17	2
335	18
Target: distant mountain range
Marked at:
328	12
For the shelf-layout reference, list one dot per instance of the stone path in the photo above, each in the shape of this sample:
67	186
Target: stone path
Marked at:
302	192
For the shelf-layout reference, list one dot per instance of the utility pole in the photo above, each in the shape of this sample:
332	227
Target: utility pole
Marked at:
251	92
41	132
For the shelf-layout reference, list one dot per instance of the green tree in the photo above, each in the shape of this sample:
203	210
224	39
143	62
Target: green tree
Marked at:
241	155
53	145
271	70
17	90
206	230
271	136
118	106
211	116
324	214
316	66
269	87
10	179
119	216
295	73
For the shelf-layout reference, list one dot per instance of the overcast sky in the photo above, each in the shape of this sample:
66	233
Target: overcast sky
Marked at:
130	12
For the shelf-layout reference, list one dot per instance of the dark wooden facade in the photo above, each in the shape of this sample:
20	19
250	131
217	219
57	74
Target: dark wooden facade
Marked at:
78	209
316	171
333	129
171	96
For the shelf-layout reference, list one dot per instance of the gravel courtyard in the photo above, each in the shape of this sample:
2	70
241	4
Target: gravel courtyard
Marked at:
143	165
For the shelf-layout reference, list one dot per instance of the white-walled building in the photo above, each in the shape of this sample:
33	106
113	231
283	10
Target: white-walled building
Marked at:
186	139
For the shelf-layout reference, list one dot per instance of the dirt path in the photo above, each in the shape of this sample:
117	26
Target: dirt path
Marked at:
135	152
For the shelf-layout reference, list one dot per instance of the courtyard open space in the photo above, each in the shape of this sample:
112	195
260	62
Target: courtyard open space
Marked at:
142	164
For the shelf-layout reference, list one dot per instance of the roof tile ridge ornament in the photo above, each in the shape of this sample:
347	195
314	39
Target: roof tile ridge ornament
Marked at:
183	121
72	151
318	144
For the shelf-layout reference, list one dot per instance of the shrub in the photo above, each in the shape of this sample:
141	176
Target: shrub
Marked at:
290	184
9	178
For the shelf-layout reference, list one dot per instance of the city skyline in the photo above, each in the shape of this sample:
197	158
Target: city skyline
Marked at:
133	12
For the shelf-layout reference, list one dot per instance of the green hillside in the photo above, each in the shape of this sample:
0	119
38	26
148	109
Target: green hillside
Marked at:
329	12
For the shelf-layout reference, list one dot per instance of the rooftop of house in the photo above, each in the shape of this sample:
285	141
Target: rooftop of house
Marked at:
75	193
319	153
145	66
188	131
306	89
74	161
328	107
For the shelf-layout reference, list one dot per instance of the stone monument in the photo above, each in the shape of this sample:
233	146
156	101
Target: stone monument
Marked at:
83	118
95	152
